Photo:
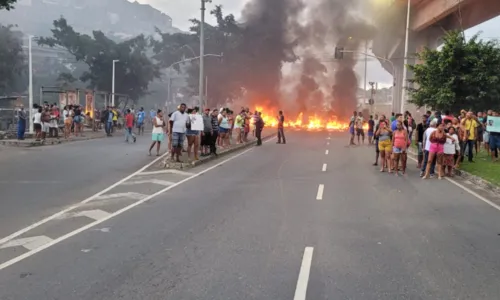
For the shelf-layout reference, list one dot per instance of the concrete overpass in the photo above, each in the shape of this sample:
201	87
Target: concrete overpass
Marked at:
429	20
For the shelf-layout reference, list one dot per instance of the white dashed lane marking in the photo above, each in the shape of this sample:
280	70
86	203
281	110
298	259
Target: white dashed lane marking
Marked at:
303	280
323	169
326	152
319	195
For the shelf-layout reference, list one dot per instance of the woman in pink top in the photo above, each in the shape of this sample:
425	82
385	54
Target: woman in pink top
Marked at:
399	146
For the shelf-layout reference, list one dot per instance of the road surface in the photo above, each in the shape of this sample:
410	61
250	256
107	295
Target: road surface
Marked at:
37	182
288	221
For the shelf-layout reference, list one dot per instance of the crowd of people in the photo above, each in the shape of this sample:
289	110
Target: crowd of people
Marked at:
205	133
443	141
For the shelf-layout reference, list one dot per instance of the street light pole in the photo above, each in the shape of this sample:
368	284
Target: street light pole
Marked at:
405	69
113	84
30	85
366	64
202	54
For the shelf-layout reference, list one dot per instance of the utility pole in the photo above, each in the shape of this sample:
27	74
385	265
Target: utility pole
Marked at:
201	89
405	69
366	64
113	83
30	85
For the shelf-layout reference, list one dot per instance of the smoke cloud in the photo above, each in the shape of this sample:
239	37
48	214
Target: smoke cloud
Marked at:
297	69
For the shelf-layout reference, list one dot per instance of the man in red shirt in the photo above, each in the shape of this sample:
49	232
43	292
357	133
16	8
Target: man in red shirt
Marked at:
129	125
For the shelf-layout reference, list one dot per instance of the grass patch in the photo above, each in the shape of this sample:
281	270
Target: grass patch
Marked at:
483	167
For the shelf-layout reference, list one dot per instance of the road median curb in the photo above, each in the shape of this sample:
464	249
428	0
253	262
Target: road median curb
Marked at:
48	142
477	180
168	164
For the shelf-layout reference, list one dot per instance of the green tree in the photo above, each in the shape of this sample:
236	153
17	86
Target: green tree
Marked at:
134	71
248	50
12	61
464	74
7	4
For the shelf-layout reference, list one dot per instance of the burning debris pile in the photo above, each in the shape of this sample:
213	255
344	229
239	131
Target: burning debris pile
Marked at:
297	72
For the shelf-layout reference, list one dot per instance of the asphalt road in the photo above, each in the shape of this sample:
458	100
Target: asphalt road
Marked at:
37	182
253	228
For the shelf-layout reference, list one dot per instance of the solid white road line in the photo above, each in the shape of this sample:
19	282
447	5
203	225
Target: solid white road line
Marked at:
319	195
326	152
155	181
168	172
56	215
324	168
305	269
116	213
29	243
494	205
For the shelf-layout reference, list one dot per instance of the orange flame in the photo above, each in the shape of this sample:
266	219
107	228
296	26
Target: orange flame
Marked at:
310	122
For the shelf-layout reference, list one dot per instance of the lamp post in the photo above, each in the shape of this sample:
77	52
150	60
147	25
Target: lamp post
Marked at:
30	85
405	69
202	53
113	84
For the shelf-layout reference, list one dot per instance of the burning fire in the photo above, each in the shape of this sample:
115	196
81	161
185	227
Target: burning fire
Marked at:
308	122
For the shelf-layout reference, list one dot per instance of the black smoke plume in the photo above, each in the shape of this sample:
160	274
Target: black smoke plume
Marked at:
305	33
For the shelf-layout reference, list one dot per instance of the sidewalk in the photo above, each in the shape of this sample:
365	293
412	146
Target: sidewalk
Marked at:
167	163
31	142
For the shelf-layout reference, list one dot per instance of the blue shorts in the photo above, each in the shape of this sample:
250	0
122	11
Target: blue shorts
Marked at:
190	132
397	150
351	130
370	133
494	142
158	137
140	124
223	130
178	139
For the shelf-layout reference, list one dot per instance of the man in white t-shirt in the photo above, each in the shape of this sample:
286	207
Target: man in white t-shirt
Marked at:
426	146
37	123
178	122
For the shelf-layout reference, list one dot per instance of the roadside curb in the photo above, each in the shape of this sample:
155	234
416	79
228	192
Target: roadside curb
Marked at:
48	142
166	164
485	184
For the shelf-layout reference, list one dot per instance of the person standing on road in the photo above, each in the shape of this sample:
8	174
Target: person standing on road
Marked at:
239	126
352	125
399	146
383	135
21	123
45	123
421	127
178	122
206	134
37	123
371	127
108	116
470	125
129	126
359	128
158	132
193	136
141	115
427	147
281	128
215	131
259	126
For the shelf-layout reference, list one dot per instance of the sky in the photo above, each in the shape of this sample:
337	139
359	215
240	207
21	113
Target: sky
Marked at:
183	10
